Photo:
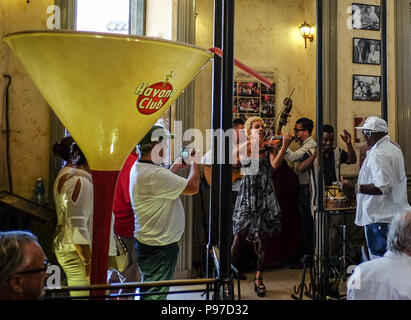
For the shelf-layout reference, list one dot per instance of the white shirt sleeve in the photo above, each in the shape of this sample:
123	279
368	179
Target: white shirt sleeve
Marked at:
168	185
382	172
296	155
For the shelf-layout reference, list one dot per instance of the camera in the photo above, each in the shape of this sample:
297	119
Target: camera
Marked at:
185	154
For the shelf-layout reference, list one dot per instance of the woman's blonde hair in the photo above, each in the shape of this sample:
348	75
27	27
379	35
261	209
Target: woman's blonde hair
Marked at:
249	122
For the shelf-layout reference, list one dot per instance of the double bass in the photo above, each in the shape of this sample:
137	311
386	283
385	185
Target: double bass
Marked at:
286	244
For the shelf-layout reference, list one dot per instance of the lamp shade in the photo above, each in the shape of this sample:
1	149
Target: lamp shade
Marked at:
306	30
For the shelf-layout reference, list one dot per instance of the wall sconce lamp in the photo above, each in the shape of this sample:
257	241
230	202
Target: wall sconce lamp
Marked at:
307	32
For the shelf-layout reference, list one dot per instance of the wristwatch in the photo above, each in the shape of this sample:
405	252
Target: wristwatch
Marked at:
357	188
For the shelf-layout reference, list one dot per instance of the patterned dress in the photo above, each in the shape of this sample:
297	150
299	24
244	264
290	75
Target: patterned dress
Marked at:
257	206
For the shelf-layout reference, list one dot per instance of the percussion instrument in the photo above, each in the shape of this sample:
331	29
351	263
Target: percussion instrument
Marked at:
335	198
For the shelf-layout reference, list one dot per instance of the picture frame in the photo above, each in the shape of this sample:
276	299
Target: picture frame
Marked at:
366	87
248	89
249	105
366	51
267	106
365	16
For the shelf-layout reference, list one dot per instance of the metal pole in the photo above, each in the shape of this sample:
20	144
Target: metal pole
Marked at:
225	167
384	74
322	230
215	124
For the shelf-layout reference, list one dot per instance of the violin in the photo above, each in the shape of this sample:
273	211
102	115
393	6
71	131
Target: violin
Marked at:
275	141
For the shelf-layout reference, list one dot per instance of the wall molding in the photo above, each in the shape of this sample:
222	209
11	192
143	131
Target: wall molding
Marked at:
330	54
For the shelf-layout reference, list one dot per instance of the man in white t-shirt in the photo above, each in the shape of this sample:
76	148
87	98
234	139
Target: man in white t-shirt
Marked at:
159	214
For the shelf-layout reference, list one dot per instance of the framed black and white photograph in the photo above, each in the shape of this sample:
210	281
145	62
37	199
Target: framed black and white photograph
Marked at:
366	51
365	16
366	88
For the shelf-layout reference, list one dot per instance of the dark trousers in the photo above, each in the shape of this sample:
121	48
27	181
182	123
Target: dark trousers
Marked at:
306	219
156	263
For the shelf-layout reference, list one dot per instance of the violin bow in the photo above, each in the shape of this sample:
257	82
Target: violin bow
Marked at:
282	109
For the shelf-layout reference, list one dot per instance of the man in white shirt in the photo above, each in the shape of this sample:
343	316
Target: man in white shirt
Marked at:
159	214
381	189
306	194
387	278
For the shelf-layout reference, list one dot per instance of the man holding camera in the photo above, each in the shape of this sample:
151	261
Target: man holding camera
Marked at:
159	214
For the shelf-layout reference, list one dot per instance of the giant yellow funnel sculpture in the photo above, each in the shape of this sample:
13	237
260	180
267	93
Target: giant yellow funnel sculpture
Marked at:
107	90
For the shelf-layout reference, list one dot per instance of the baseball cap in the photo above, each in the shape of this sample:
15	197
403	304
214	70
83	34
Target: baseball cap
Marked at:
374	124
156	134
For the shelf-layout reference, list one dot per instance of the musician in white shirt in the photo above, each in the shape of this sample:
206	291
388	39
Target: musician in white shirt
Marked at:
381	190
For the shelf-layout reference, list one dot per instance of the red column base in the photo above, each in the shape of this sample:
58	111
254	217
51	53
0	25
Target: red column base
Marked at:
104	185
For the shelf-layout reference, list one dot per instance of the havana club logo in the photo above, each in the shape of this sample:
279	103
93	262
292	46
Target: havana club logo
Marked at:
152	98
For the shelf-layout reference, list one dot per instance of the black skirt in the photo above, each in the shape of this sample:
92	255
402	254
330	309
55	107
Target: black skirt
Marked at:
257	206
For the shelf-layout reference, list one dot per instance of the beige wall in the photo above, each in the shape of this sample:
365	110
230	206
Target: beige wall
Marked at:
29	113
348	108
266	37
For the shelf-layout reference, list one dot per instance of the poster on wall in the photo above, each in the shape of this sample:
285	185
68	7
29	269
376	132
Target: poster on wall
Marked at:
252	98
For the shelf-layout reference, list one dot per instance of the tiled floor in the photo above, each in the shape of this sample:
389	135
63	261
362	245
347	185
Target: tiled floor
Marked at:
279	282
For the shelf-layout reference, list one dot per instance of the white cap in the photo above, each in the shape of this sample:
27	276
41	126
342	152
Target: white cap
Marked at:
374	124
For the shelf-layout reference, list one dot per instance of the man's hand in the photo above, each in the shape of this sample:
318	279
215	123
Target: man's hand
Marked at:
287	139
181	163
346	137
194	157
178	165
314	155
347	187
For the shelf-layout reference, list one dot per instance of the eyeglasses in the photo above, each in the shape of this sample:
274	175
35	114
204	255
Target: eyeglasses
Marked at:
46	265
367	133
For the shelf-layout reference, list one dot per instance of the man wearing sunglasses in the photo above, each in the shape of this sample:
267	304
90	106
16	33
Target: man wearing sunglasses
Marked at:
23	266
306	192
381	189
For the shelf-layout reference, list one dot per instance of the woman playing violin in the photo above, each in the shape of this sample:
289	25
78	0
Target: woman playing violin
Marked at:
257	212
